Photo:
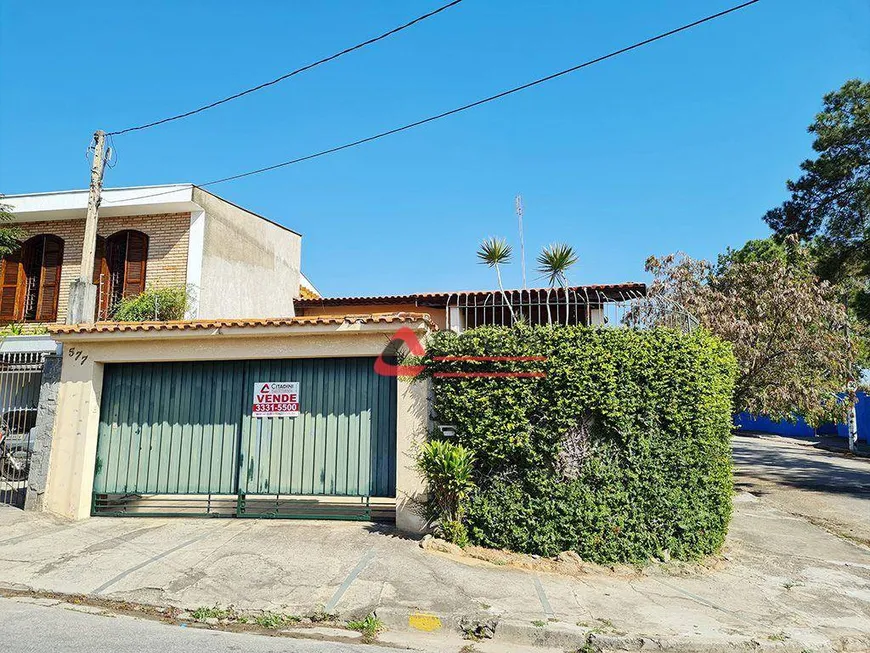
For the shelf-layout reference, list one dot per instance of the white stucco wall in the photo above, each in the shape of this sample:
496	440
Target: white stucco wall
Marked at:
250	266
195	242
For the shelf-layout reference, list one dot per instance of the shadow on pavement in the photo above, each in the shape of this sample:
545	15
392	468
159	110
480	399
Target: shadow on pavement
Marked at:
800	467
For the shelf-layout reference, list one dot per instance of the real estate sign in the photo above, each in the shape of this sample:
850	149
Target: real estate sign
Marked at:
276	399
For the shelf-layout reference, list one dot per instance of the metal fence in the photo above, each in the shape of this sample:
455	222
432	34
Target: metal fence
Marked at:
566	306
20	381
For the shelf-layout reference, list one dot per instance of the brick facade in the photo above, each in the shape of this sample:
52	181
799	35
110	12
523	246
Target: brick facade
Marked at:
167	233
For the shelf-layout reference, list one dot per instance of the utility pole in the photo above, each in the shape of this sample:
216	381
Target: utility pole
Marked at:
519	206
83	292
852	424
852	397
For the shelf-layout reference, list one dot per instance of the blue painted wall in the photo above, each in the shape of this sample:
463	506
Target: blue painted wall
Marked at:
762	424
862	409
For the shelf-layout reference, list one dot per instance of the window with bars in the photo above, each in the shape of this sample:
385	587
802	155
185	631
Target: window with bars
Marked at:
119	269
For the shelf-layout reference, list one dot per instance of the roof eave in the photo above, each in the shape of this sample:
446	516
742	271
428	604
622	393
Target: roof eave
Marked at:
345	326
439	300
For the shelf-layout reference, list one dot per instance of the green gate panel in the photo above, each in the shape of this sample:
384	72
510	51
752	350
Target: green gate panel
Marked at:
343	443
186	428
168	428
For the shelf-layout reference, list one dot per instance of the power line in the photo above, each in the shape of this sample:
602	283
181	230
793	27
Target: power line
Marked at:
491	98
290	74
471	105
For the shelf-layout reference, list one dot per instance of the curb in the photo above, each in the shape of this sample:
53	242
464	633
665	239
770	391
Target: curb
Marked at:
489	626
571	637
804	442
835	449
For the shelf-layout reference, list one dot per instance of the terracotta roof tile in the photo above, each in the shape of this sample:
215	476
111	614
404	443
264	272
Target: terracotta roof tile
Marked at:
615	291
307	293
192	325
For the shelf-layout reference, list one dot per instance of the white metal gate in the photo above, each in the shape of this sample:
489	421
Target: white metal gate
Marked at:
20	381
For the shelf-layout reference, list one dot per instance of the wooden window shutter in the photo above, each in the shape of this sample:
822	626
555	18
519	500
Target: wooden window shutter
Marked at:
102	279
137	257
10	278
49	290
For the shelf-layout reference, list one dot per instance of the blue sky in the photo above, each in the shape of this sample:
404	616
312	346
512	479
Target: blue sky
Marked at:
682	145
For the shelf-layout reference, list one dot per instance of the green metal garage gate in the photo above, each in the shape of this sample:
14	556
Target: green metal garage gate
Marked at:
179	439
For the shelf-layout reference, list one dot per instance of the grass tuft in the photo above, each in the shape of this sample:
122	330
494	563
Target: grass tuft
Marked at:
275	620
213	612
369	627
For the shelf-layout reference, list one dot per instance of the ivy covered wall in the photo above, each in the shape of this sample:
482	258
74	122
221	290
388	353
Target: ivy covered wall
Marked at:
620	451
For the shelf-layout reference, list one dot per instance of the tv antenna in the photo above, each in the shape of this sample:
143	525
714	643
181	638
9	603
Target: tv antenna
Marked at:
519	207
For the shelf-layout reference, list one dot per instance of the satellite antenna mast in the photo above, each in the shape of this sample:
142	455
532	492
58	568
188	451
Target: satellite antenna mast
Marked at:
519	207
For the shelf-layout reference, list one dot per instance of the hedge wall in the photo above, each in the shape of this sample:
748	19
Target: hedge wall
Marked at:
620	452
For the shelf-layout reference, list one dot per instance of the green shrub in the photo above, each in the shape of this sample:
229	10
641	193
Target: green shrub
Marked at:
13	329
620	452
447	468
161	304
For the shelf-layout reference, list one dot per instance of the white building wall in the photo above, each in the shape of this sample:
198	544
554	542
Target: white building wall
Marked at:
195	244
250	266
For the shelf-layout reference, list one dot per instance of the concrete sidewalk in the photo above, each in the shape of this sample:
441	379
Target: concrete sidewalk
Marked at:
783	584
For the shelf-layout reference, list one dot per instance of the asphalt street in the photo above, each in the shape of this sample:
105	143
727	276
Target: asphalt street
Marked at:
830	490
33	628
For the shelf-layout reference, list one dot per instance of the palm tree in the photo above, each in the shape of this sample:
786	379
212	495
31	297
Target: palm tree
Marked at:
494	252
554	262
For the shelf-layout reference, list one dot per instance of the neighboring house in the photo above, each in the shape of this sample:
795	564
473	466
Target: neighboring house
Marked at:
236	263
460	310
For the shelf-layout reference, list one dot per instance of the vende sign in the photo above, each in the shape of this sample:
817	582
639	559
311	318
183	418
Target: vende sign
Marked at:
276	399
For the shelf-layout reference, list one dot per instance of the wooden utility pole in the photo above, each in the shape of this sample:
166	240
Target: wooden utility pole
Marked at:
83	292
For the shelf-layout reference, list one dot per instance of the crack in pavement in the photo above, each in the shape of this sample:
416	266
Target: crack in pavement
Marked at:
702	600
17	561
